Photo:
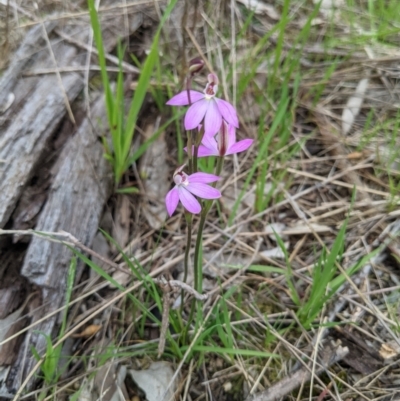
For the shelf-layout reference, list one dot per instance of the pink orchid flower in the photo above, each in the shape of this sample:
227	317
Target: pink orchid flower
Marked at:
189	186
223	144
205	106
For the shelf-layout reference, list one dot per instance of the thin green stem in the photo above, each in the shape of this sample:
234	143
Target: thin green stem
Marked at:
188	85
218	167
189	152
198	268
189	219
195	153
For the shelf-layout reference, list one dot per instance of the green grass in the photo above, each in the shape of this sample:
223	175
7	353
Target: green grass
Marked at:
122	127
278	99
50	362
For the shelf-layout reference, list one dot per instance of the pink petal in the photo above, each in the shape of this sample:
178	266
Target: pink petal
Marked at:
181	99
239	146
196	113
172	200
209	142
231	135
203	191
190	203
213	119
228	112
203	178
204	152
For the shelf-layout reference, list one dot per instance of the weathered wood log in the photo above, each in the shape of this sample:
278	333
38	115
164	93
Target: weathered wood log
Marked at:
41	101
75	203
33	118
83	180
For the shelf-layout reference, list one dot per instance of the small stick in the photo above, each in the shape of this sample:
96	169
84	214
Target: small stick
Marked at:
303	375
65	239
166	287
183	286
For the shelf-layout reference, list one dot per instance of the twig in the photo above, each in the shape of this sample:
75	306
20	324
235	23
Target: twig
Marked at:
278	390
183	286
166	287
70	240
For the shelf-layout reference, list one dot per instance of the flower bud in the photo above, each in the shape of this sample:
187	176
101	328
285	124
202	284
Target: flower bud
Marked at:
195	65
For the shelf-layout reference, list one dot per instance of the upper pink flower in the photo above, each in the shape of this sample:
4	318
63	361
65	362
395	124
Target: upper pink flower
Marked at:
223	144
186	187
205	106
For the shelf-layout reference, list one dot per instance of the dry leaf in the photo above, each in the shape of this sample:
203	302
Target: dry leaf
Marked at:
353	106
88	332
155	381
355	155
302	228
109	383
389	350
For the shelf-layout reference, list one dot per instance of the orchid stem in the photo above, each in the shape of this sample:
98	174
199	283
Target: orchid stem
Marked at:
198	257
220	164
196	150
189	219
198	270
189	152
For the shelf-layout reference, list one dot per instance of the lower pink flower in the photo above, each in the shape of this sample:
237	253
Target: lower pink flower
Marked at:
187	188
